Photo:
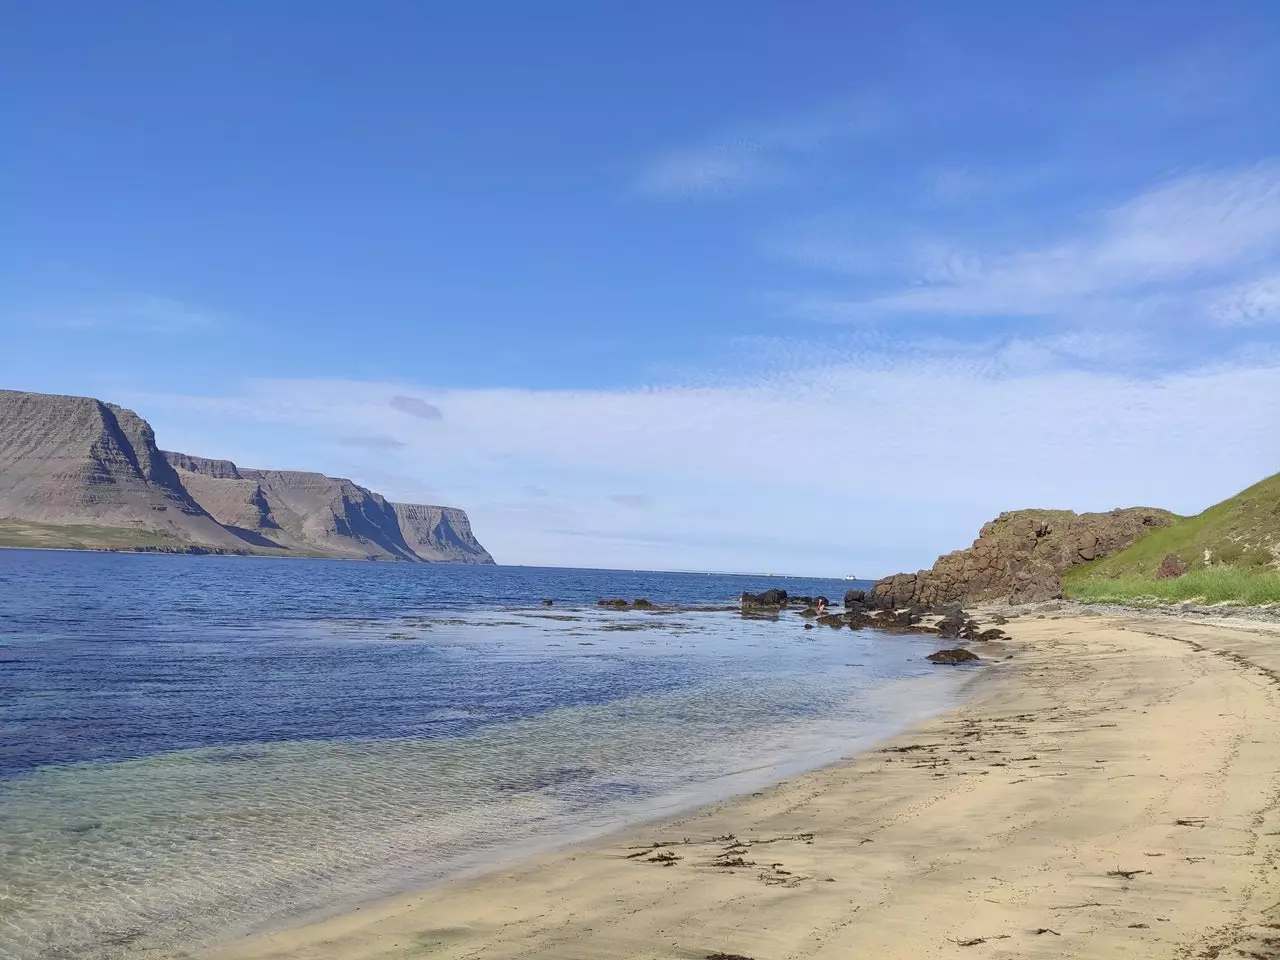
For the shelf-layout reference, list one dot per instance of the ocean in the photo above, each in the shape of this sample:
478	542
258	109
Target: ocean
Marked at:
194	748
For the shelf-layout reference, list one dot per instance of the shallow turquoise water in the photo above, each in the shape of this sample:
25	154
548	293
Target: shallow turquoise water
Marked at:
197	747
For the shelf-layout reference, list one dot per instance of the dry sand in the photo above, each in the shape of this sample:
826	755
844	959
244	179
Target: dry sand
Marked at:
1113	792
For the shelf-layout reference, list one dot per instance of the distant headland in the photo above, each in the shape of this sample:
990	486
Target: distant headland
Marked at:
79	473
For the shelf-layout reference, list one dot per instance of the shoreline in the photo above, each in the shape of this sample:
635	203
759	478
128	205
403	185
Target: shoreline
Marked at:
1113	789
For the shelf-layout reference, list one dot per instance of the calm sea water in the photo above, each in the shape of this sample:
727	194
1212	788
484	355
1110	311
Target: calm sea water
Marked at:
196	747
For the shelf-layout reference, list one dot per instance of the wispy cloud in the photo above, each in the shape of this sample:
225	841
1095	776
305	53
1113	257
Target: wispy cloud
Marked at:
145	314
372	442
633	501
1162	253
1249	304
752	157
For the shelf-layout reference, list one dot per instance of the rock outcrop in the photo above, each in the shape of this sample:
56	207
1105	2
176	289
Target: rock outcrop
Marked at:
78	461
1020	557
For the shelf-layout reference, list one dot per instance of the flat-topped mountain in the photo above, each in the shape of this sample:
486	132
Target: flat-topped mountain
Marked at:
75	471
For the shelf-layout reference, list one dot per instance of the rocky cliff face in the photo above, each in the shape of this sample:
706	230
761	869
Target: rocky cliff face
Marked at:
78	461
336	515
297	510
440	533
75	460
1021	556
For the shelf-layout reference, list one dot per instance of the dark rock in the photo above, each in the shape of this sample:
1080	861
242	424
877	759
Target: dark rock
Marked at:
770	598
808	612
956	655
999	621
547	603
854	596
897	618
950	626
614	604
831	620
643	604
992	634
808	626
1171	567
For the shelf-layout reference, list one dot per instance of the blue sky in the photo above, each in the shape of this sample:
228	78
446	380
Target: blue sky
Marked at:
793	287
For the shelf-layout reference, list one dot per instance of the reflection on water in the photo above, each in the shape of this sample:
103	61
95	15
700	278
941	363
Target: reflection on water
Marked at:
390	751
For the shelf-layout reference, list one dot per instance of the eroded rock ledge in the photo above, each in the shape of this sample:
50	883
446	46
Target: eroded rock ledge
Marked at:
1020	557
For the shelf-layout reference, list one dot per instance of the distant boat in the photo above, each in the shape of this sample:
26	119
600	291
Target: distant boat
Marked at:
850	576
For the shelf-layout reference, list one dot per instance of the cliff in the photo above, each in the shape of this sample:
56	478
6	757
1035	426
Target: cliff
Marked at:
79	461
1021	556
75	471
440	533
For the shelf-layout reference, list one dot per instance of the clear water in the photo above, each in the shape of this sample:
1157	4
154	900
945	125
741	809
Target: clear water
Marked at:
196	747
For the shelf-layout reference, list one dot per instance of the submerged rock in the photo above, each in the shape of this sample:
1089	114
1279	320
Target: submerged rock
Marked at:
613	604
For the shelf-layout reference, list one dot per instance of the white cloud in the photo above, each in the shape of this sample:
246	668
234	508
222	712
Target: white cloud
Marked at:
1154	256
868	465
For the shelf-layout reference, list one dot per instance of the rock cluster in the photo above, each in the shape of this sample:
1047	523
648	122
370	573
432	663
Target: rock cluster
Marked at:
1020	557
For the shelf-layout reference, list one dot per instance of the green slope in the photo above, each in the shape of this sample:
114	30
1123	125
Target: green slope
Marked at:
1229	551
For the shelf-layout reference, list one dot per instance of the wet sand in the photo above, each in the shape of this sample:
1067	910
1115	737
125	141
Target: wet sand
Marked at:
1113	790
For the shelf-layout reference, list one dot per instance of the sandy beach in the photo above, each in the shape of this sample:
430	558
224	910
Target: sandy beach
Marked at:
1110	791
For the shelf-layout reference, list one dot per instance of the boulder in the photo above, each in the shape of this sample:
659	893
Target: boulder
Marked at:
1171	567
956	655
613	604
769	598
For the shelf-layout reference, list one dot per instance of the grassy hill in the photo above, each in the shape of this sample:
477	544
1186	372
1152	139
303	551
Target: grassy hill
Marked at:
1229	551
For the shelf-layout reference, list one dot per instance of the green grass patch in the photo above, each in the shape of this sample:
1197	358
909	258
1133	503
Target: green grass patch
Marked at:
1218	584
79	536
1238	532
